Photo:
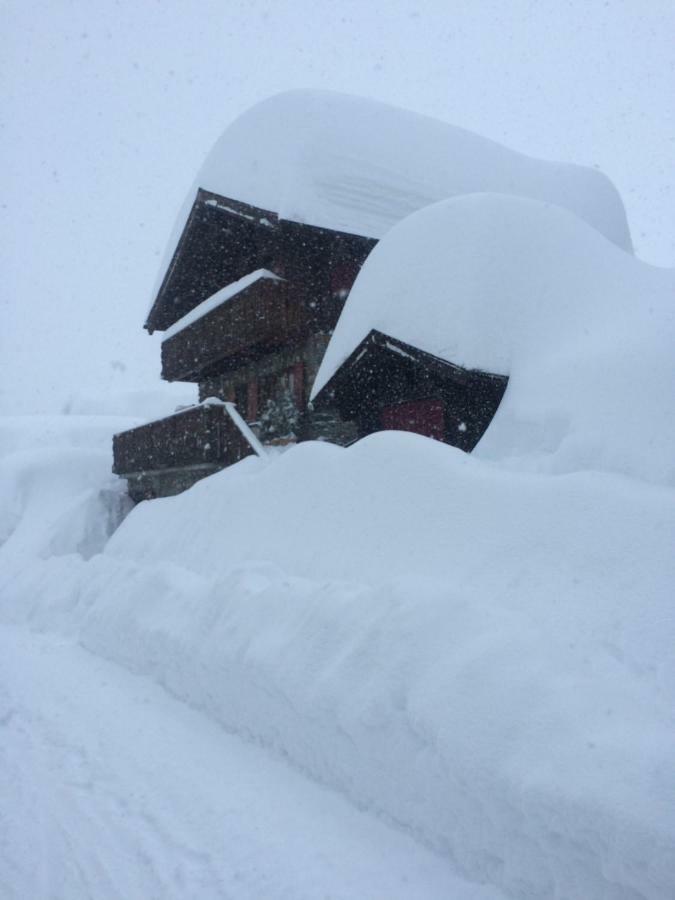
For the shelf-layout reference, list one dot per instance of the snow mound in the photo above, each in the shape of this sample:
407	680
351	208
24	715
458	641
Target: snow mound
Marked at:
483	656
57	493
509	285
360	166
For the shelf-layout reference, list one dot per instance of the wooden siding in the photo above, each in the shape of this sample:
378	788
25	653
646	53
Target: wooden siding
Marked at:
200	436
272	334
322	265
383	372
222	241
262	317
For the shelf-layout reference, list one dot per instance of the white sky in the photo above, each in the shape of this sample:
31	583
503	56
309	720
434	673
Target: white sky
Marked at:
110	107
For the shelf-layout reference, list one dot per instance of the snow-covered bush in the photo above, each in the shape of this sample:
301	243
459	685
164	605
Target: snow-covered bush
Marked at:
279	419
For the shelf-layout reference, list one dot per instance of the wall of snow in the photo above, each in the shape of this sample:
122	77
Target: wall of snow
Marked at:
584	330
57	493
483	657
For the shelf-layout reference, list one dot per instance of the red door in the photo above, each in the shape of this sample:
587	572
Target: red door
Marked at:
421	416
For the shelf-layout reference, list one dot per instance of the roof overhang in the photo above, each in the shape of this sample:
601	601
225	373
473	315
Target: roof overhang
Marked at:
381	367
212	251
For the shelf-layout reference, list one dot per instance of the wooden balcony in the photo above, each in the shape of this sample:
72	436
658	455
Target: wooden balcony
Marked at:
258	319
168	455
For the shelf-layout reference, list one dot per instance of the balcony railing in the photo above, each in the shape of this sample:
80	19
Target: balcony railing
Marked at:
201	436
259	318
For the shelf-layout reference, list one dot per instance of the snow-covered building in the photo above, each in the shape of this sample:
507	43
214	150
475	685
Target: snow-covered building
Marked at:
284	212
526	291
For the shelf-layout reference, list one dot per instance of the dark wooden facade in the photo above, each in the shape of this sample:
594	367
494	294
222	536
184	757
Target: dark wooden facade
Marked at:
257	320
224	240
166	456
266	342
386	383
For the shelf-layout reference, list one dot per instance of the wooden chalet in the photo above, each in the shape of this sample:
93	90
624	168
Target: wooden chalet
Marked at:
253	290
249	303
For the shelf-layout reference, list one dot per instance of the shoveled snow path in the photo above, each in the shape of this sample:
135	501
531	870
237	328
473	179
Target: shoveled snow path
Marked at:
110	788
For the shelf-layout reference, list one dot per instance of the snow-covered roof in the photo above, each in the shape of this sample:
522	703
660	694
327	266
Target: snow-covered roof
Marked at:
217	299
359	166
522	288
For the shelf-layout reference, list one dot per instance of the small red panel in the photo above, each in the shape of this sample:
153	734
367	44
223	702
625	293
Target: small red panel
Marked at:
298	372
421	416
252	401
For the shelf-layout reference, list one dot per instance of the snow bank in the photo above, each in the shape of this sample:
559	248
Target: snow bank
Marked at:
57	493
513	286
484	657
360	166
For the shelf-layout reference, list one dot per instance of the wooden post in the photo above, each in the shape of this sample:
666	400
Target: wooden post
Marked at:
252	404
298	371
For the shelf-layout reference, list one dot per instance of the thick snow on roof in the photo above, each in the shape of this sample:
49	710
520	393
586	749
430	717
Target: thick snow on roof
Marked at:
518	287
215	300
360	166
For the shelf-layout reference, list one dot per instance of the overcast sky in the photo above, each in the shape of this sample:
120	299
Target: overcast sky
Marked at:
109	108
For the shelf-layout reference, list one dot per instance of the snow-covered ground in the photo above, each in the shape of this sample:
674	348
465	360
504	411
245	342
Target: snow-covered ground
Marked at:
482	657
112	789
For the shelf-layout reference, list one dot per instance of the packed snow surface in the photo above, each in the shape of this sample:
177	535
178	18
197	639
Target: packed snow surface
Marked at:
514	286
359	166
481	656
57	493
115	791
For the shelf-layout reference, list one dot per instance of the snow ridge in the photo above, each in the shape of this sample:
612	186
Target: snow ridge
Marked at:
513	661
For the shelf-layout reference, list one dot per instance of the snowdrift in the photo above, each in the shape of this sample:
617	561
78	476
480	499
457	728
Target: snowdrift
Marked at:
57	493
483	657
360	166
584	331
